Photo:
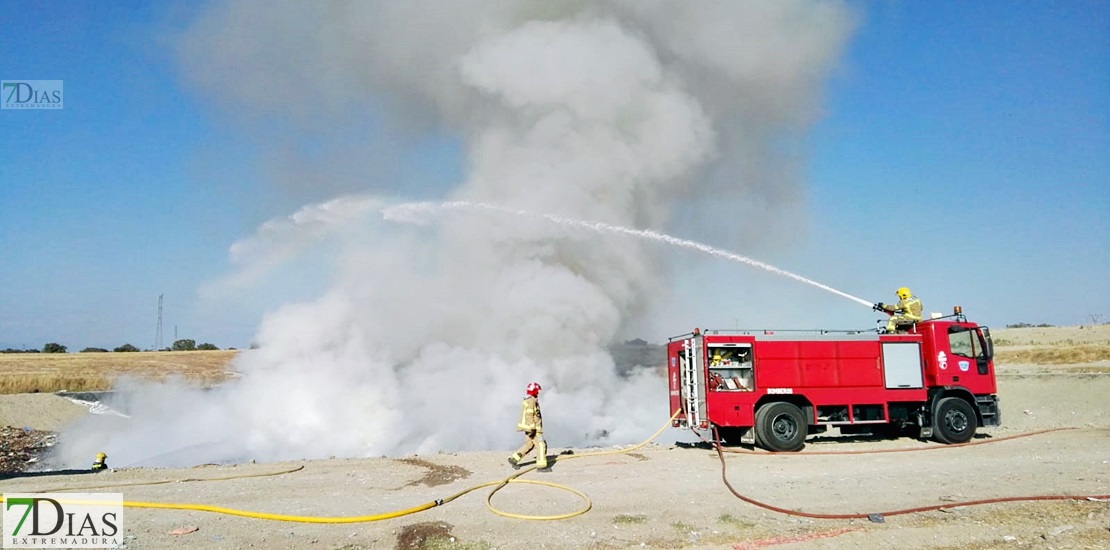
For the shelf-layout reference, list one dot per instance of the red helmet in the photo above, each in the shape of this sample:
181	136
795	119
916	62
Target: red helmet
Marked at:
533	389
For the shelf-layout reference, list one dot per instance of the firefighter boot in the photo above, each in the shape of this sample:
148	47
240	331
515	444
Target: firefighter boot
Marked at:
514	461
541	456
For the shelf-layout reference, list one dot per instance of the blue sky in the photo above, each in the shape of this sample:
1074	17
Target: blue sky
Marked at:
992	123
989	122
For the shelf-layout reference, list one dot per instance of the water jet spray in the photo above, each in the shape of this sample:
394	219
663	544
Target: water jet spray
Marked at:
403	213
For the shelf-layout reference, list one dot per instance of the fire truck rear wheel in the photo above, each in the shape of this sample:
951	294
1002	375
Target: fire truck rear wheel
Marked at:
954	421
780	426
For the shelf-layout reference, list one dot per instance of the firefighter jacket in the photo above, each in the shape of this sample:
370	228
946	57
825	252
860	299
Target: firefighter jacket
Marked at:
530	418
910	308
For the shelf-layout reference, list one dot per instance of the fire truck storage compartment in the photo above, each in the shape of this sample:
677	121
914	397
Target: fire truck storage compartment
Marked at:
730	367
902	364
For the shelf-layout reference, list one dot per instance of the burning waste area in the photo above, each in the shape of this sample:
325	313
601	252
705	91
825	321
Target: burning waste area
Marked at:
22	448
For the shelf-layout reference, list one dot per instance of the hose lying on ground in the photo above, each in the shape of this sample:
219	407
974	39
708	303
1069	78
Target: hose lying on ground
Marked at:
515	478
878	515
375	517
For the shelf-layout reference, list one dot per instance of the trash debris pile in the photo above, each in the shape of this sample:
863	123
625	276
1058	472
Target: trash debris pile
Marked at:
21	447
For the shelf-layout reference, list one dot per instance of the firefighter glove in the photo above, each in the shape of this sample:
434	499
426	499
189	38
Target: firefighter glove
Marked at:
877	307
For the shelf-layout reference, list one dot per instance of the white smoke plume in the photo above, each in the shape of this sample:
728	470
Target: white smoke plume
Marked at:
615	111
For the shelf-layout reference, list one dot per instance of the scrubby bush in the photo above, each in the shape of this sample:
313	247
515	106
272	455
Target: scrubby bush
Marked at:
185	344
126	348
207	347
94	350
54	347
1029	325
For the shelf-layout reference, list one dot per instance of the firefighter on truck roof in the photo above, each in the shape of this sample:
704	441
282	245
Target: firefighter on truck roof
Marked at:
906	312
531	423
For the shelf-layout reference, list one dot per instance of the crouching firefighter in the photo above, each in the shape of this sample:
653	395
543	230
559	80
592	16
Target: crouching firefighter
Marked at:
531	423
100	463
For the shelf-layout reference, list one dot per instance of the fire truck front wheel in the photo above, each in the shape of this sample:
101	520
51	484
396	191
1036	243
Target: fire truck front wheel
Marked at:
954	421
780	427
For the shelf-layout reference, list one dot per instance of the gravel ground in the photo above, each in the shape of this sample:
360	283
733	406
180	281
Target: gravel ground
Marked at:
663	495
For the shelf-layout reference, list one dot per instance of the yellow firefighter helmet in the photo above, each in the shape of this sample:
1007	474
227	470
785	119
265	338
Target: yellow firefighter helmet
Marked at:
903	293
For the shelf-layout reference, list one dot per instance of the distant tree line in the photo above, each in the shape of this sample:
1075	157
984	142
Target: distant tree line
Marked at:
191	345
179	345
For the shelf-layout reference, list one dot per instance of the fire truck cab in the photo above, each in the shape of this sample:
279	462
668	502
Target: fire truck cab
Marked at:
772	388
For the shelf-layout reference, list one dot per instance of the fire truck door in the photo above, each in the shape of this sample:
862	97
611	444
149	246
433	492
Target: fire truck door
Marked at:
693	382
968	345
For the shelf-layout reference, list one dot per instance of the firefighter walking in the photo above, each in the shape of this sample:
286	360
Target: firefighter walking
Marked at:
906	312
531	423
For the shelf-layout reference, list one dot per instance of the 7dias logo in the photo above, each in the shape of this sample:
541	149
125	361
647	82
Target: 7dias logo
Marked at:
30	94
63	520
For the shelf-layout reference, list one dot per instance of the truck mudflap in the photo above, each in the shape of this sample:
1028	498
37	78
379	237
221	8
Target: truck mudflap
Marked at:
989	411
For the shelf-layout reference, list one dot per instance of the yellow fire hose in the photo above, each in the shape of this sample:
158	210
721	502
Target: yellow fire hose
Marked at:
388	515
589	504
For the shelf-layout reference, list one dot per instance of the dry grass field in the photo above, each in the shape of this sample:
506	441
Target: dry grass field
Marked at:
1084	348
50	372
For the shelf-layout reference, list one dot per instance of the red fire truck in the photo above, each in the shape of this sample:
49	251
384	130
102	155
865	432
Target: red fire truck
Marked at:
772	388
